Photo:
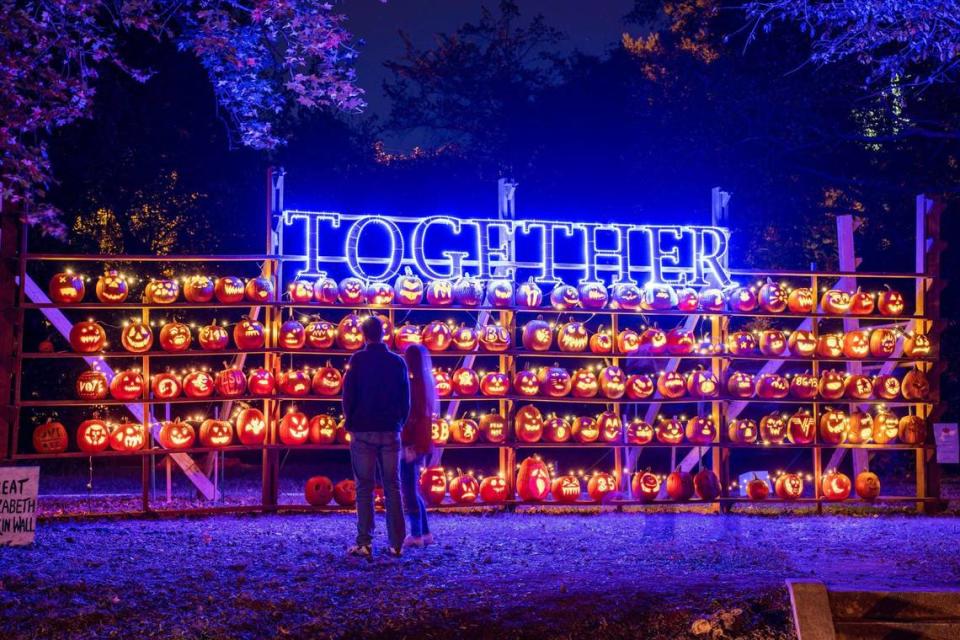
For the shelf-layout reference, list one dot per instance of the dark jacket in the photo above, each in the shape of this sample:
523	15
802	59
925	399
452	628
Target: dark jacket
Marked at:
376	390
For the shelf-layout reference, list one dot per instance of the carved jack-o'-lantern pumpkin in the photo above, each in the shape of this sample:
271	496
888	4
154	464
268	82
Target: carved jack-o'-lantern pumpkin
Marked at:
640	386
832	385
468	291
527	383
613	382
87	337
565	488
493	427
166	385
671	384
912	430
789	486
741	343
914	385
773	342
495	384
740	384
300	291
610	426
772	298
292	335
802	343
528	424
464	431
465	382
249	334
436	336
176	435
645	486
175	337
529	295
406	335
213	337
66	288
537	335
500	293
349	332
294	428
494	338
859	387
835	486
804	386
639	431
834	426
835	302
859	428
533	480
890	302
345	493
687	299
742	431
856	344
772	386
741	300
669	431
886	387
408	288
573	337
320	334
867	485
601	485
326	290
601	342
556	429
228	289
318	491
91	385
702	384
564	297
584	383
464	489
883	343
260	382
351	291
651	341
861	303
230	382
164	291
493	489
442	383
464	338
658	297
198	289
593	295
93	436
128	436
216	433
712	300
701	430
801	301
379	294
585	429
50	437
112	287
773	428
627	296
916	346
251	427
127	385
555	381
323	429
198	384
680	342
439	293
433	485
801	427
294	382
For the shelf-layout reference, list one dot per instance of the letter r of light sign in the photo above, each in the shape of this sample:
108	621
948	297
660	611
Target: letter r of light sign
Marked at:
694	255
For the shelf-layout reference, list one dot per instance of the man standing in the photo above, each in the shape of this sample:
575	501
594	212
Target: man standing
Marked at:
376	399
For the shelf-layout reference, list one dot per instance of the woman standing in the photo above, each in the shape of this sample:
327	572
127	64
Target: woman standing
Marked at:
416	441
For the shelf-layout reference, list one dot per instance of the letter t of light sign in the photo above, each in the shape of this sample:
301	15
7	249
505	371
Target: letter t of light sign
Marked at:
547	273
311	246
620	252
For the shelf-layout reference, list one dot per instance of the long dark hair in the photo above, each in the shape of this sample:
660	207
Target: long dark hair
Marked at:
423	392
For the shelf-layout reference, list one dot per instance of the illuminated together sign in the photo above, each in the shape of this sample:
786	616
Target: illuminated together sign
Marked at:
374	247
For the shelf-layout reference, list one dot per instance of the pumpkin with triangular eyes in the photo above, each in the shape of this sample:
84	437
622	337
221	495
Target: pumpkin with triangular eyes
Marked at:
228	289
613	382
773	428
216	433
528	424
565	488
260	382
379	294
701	430
680	342
564	297
800	301
112	287
351	291
856	344
640	386
639	431
835	302
610	426
702	384
861	303
495	384
136	337
772	386
669	431
199	289
585	429
66	288
802	343
127	385
742	431
671	385
468	291
890	302
464	489
834	426
294	429
830	346
593	295
350	332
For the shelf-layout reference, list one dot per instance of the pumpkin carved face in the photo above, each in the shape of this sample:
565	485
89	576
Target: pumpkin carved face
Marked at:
773	428
112	287
883	342
499	293
495	384
835	486
585	429
493	489
91	385
671	384
802	343
198	384
176	435
526	383
680	342
351	291
440	293
555	382
166	386
639	431
658	297
300	291
556	429
350	333
835	302
861	303
128	436
251	427
613	382
175	337
801	427
712	300
741	300
216	433
740	384
640	386
533	480
584	383
860	428
529	295
834	426
198	289
66	288
292	335
493	427
408	288
702	384
800	301
230	383
890	303
537	335
610	426
773	342
687	300
914	385
249	334
442	383
651	341
742	431
213	337
626	296
886	387
228	289
345	493
323	429
294	428
564	297
127	385
832	385
466	382
326	290
436	336
87	337
294	382
136	337
573	337
867	485
741	343
379	294
593	295
494	338
468	291
601	342
464	489
669	431
789	486
772	386
772	298
320	334
260	382
917	346
701	430
318	491
406	335
528	424
645	486
162	292
565	488
93	436
856	344
830	346
885	427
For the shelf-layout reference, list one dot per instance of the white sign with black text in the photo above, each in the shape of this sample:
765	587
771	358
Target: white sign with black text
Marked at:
18	504
948	443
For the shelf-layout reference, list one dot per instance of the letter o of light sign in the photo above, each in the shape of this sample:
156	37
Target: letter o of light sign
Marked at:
395	253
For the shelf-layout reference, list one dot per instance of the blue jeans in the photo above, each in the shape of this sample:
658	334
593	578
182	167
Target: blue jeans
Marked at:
368	450
412	500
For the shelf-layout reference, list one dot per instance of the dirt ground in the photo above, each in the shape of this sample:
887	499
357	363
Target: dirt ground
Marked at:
619	575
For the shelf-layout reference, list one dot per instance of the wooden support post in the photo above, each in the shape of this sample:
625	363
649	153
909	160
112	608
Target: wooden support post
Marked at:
10	321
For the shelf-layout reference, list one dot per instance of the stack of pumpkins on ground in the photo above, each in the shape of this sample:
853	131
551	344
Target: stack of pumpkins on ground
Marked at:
129	384
249	428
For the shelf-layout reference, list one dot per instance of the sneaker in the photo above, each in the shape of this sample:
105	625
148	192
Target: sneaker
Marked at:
412	542
360	551
427	538
394	552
